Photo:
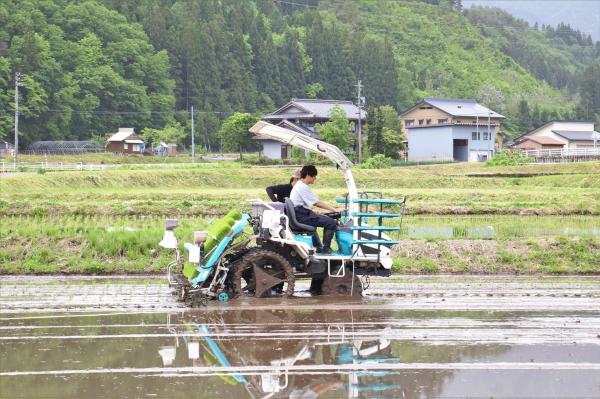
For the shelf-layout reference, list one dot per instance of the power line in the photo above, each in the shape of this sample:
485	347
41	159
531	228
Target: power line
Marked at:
305	5
63	111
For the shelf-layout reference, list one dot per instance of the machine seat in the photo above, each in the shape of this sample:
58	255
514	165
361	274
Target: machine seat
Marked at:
297	227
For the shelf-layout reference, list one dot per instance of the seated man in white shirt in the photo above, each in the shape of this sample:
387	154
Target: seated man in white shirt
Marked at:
303	199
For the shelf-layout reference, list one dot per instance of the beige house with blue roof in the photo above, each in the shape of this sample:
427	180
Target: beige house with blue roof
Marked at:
449	129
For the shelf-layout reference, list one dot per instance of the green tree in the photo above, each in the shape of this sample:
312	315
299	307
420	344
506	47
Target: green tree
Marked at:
234	132
92	66
337	130
524	116
392	132
384	131
6	102
392	143
590	92
170	134
374	128
313	90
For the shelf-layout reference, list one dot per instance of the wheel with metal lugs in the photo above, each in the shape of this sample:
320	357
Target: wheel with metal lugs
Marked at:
342	286
262	273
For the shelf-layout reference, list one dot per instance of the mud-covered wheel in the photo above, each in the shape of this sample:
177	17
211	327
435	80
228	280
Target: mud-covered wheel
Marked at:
342	286
196	299
263	274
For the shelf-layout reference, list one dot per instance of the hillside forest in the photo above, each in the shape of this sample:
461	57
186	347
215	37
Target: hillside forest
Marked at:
90	67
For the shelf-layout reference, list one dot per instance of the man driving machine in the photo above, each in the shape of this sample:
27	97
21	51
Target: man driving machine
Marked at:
303	199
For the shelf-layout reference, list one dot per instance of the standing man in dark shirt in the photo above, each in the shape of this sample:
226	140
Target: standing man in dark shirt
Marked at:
280	192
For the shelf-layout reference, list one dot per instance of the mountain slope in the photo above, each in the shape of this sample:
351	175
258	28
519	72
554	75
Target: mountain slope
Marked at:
583	15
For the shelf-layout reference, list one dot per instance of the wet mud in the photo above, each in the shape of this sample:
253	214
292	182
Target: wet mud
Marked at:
408	337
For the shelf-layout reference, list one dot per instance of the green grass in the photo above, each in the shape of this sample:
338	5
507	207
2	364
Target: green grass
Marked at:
109	159
129	244
112	221
84	244
456	189
556	255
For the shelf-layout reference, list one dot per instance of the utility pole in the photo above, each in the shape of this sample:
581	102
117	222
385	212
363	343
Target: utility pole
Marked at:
193	146
493	144
17	84
359	102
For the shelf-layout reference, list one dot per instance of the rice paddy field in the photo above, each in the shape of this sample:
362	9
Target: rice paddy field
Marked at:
460	218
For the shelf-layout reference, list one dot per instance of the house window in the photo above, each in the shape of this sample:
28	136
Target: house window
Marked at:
458	121
126	146
420	122
486	136
425	107
429	121
409	122
440	121
476	136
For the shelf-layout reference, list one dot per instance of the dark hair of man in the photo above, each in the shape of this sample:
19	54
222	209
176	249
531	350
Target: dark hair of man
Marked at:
291	180
308	170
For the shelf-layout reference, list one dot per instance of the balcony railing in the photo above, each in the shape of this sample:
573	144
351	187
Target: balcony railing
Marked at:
564	155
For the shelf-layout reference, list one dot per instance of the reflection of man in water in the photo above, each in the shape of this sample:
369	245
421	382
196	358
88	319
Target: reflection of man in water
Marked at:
280	192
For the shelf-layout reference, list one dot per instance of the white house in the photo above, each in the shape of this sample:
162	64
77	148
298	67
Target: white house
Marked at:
560	135
302	116
446	129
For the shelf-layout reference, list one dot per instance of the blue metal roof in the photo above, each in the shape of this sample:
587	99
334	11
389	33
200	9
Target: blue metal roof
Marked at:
574	135
314	109
462	107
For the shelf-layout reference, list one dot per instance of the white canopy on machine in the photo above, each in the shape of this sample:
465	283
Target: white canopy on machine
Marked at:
278	133
329	151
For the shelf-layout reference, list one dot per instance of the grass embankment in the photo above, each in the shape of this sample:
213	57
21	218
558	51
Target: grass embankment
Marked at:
107	222
106	158
557	255
437	189
128	244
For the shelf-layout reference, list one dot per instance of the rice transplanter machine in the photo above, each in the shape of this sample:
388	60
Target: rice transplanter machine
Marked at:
263	253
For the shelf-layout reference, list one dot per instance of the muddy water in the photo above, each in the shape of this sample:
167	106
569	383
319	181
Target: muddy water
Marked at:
409	337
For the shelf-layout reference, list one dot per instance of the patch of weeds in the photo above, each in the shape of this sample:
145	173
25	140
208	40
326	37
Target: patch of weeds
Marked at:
462	266
519	265
186	204
35	265
556	269
92	267
506	257
459	232
38	211
428	266
401	265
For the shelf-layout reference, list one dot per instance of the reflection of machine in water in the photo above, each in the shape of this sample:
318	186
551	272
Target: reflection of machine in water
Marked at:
273	356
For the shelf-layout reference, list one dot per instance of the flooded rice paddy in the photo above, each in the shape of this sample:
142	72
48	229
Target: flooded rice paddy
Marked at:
408	337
